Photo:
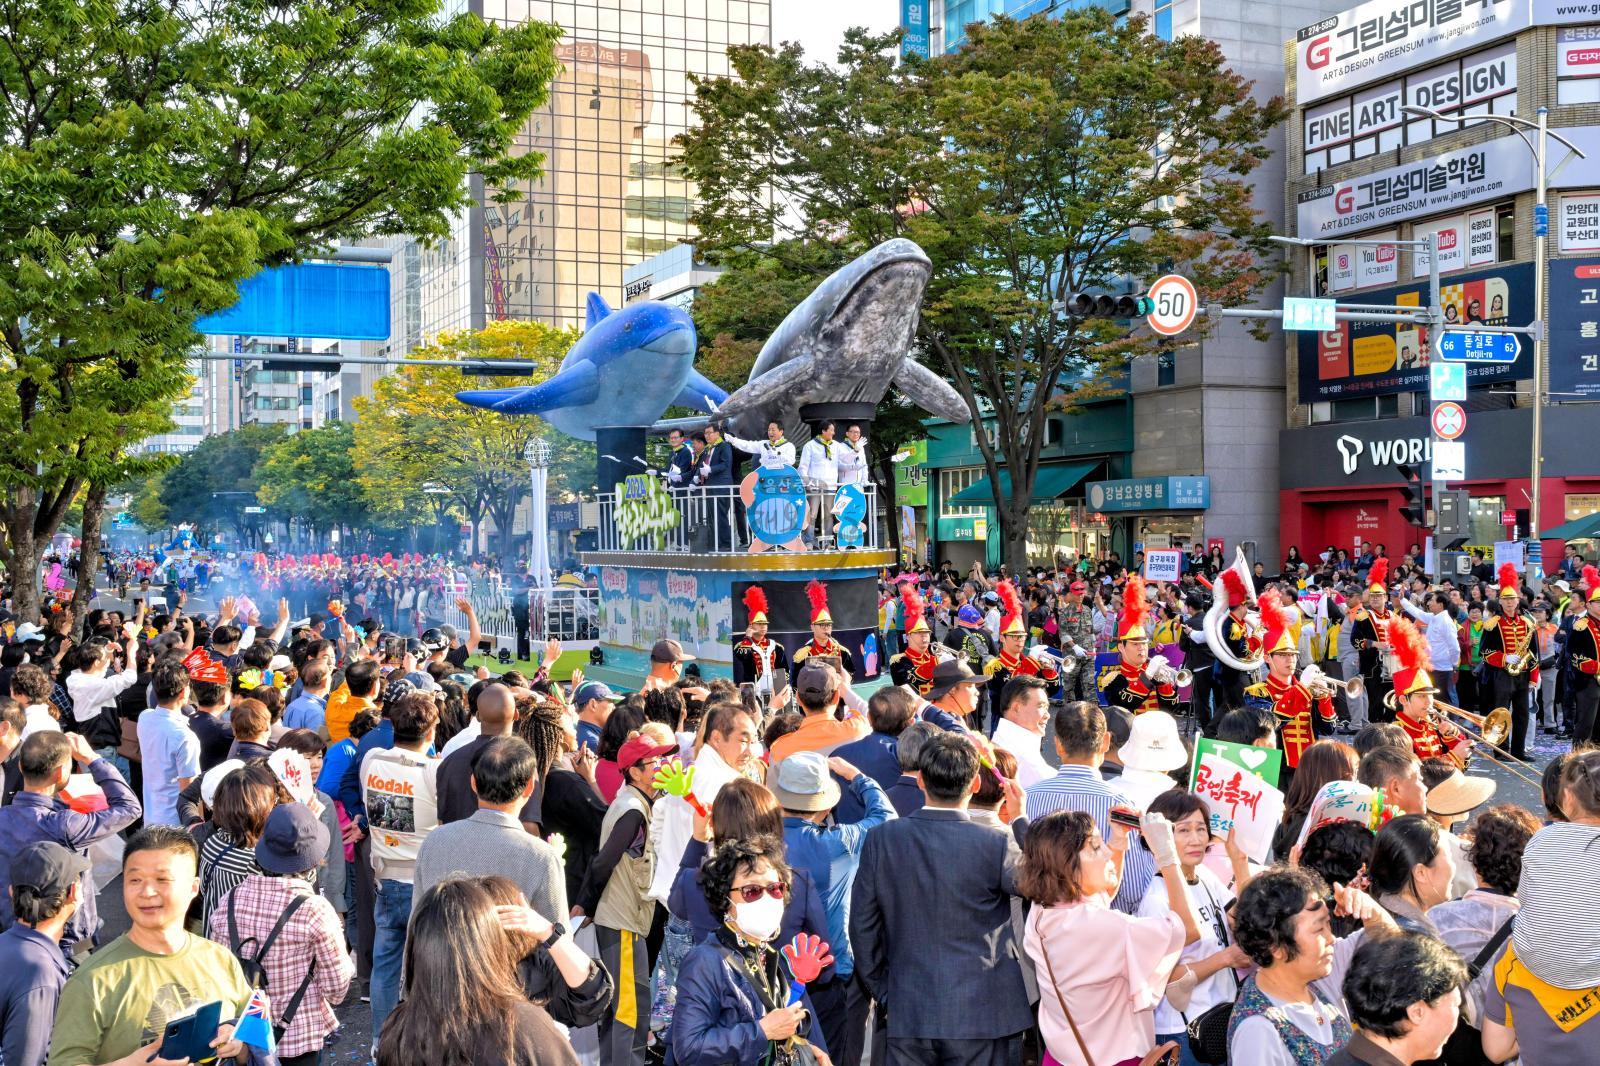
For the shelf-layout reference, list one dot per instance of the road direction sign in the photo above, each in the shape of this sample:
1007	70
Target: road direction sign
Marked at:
1175	304
1449	420
1447	381
1308	313
1477	346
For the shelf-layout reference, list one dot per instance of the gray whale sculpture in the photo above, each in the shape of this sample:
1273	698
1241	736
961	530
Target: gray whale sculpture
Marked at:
846	342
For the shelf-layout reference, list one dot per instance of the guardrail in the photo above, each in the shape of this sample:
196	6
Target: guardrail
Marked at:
713	520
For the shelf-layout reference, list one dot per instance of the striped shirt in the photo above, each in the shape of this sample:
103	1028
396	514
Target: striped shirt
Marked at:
224	864
1081	788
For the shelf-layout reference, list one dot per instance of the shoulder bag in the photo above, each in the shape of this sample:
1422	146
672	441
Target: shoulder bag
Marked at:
1165	1055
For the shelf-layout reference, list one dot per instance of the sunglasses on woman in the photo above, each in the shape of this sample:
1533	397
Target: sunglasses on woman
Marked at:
751	893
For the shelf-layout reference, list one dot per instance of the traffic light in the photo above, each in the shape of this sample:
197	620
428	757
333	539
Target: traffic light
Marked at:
1106	305
1415	507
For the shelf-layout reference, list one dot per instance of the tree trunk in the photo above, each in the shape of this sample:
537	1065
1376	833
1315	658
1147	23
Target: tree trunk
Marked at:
1014	524
891	512
94	510
25	557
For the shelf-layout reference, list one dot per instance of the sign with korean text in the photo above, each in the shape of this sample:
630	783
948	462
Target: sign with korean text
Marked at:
1383	38
1377	358
1238	802
1187	493
1464	241
1578	221
1361	266
1450	179
911	476
1574	348
1511	551
1478	346
914	20
1163	564
1267	763
963	527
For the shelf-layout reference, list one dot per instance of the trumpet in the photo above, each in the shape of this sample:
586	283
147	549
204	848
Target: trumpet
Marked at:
1160	672
1322	686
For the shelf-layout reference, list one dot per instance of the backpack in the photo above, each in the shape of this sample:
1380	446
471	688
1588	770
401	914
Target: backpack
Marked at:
255	973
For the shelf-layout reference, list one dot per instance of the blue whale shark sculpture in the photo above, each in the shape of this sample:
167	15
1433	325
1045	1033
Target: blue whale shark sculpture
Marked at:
629	366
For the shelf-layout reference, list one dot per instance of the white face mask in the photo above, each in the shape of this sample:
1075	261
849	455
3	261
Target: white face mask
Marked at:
759	920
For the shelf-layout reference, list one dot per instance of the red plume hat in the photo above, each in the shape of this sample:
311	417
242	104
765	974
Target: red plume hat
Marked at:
817	593
1510	584
1130	624
1010	610
916	612
755	604
1411	651
1233	584
1591	582
1377	575
1276	620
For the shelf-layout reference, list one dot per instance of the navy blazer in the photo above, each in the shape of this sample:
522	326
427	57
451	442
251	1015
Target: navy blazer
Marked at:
930	927
719	457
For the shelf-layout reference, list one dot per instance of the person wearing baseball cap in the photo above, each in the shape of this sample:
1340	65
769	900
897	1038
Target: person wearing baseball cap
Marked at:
616	894
594	702
818	689
46	889
666	665
307	966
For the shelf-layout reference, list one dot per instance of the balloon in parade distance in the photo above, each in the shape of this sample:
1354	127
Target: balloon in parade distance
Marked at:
846	342
629	366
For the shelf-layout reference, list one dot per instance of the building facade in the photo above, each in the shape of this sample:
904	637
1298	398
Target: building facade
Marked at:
188	416
1361	168
674	276
1213	410
608	198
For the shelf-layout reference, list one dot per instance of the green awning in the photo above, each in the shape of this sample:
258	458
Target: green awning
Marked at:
1585	528
1052	482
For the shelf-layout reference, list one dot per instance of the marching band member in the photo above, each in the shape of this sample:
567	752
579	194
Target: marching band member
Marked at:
774	451
1139	683
1012	660
822	642
755	658
1583	652
1432	735
913	668
1369	626
1290	700
1513	664
1238	635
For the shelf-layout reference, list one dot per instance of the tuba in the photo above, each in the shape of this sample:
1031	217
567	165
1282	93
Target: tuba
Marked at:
1217	616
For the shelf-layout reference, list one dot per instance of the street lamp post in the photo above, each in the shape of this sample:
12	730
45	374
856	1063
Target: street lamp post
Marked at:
1541	210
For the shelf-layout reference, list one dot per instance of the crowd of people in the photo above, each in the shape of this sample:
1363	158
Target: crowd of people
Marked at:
981	865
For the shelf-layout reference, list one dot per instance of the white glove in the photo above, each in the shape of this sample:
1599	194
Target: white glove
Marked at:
1040	652
1155	665
1513	660
1157	833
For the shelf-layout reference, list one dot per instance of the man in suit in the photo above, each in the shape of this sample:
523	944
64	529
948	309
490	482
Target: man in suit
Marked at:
952	990
716	473
680	468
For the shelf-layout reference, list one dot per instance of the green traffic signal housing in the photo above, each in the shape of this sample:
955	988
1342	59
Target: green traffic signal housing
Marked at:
1105	305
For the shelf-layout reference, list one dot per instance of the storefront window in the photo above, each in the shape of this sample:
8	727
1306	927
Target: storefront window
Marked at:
952	482
1065	525
1483	520
1582	506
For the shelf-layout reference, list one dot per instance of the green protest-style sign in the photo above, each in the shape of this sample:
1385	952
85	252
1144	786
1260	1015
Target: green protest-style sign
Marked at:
1265	763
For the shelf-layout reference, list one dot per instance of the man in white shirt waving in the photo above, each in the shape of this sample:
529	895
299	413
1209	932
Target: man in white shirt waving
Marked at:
819	469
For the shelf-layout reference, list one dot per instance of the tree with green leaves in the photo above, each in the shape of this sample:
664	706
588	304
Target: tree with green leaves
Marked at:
153	155
1046	156
312	475
212	485
415	438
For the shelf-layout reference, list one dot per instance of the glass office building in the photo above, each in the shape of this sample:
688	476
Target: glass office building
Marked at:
948	19
608	198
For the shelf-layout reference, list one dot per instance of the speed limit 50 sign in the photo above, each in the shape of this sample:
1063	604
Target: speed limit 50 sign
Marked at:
1173	304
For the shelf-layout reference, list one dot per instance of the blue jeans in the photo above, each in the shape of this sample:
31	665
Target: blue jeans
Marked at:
1185	1056
391	910
110	755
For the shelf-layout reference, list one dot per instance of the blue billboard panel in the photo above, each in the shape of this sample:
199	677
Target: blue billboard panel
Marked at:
914	18
330	301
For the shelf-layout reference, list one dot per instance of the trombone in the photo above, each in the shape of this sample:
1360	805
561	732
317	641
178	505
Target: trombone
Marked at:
1491	730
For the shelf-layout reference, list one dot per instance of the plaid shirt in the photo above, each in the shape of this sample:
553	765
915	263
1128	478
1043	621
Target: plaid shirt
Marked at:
314	932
